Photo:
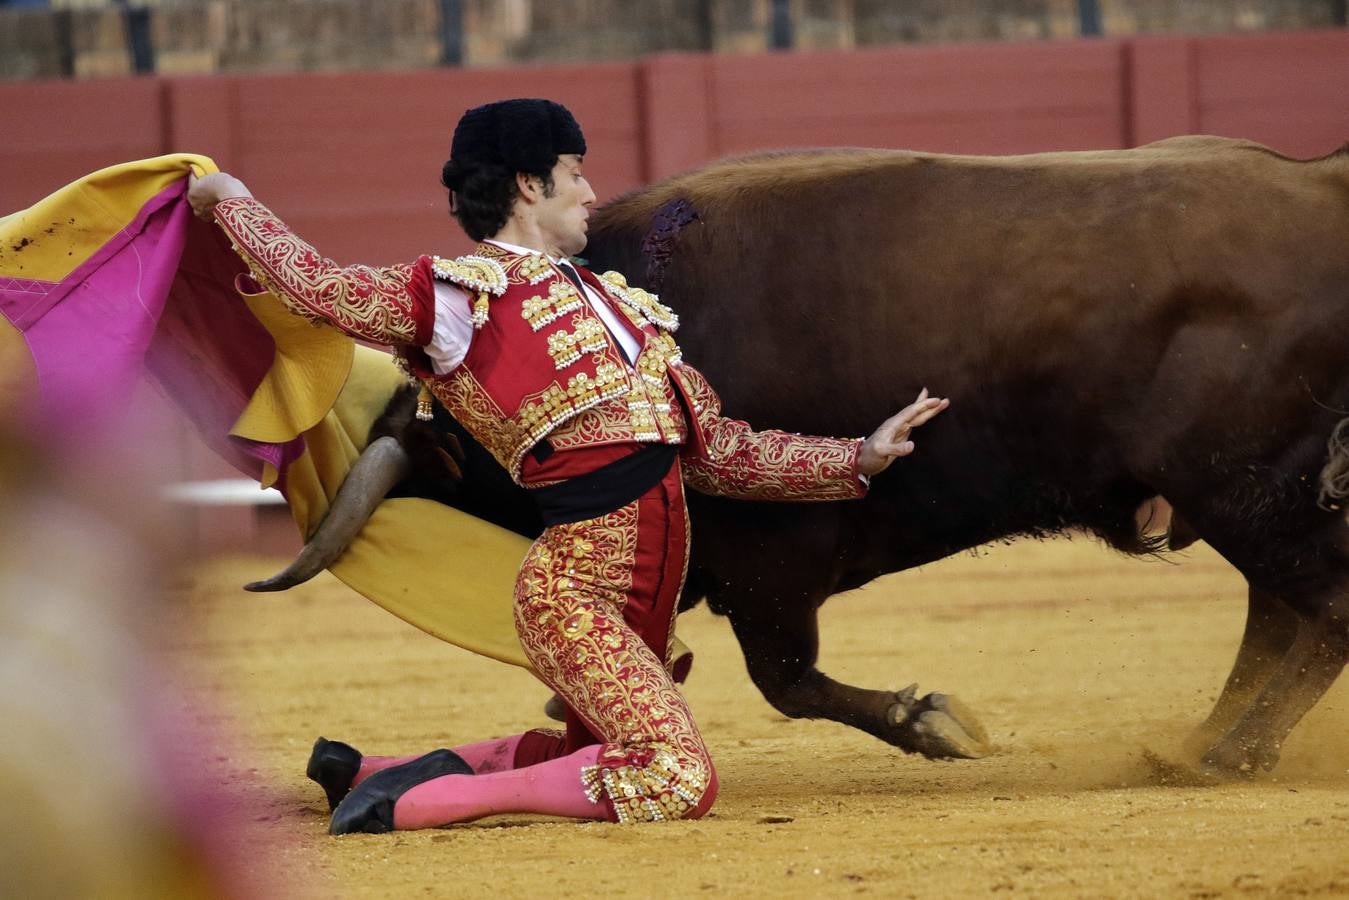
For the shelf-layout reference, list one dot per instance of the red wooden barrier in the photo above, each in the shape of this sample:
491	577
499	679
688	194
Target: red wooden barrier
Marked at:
1285	90
1161	96
1288	91
987	98
52	132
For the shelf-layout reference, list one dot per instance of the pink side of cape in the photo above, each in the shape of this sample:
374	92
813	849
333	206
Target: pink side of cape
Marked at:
158	293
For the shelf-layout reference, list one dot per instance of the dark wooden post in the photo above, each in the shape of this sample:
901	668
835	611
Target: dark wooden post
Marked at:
780	36
64	22
706	24
451	32
140	43
1089	18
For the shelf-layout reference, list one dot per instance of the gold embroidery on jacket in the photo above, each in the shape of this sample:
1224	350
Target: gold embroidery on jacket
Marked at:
611	422
648	411
764	465
586	411
369	302
535	268
645	304
466	399
562	298
474	272
542	412
566	347
485	277
615	403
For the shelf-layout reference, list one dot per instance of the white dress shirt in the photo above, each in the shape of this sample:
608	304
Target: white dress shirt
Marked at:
453	328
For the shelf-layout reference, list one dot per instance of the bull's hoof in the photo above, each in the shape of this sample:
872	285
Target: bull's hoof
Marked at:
937	726
1198	741
1235	758
1172	773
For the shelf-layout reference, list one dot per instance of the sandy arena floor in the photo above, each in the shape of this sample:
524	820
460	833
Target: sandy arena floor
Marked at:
1077	660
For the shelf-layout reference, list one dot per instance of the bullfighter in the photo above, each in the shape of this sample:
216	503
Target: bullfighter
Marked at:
573	381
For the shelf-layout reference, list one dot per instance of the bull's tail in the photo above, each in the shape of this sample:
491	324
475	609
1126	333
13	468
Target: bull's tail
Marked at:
1335	473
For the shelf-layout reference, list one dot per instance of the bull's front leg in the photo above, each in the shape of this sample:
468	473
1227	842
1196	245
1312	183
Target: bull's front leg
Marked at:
780	640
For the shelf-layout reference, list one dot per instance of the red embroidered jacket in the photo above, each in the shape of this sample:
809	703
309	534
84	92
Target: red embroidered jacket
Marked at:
542	365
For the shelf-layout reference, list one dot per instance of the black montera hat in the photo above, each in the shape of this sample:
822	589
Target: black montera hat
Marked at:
523	135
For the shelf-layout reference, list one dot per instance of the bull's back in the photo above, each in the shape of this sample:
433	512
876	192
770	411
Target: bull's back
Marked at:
880	269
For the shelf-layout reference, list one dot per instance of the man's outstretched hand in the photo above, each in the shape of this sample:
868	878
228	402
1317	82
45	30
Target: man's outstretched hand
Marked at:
205	192
891	440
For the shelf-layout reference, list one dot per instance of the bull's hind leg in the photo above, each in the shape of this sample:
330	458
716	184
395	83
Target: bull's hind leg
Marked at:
1265	521
1314	660
781	645
1271	626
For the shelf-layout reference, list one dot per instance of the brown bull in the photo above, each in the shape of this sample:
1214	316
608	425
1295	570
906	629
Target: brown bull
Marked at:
1112	327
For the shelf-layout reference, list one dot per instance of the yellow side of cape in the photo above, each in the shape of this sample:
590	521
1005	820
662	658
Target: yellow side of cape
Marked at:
85	214
448	573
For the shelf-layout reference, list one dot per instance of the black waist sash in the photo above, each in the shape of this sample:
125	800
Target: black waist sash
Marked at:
610	487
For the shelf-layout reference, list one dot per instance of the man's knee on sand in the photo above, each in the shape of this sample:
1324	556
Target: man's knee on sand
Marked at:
709	795
653	780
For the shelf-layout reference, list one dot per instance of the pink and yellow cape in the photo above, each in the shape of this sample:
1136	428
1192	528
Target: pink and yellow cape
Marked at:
113	275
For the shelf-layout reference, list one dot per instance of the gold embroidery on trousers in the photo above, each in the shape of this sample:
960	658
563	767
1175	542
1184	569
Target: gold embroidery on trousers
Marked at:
662	790
653	765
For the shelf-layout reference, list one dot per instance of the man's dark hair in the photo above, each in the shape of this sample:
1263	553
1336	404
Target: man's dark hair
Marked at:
491	144
482	195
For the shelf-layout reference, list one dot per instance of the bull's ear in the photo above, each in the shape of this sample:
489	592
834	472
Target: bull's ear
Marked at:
451	464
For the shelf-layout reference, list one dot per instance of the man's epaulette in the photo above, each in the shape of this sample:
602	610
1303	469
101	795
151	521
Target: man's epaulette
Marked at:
646	305
479	274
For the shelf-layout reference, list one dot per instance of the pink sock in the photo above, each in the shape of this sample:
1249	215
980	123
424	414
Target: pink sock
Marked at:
496	755
551	788
484	756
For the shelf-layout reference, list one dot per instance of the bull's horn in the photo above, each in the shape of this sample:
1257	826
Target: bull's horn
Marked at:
381	465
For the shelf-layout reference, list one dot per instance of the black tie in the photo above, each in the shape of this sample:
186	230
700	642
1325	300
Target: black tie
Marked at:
573	276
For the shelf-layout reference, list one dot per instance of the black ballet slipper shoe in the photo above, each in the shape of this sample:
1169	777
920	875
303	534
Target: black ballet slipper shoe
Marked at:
369	806
333	765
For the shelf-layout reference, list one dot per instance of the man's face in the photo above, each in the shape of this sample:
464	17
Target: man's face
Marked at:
562	216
